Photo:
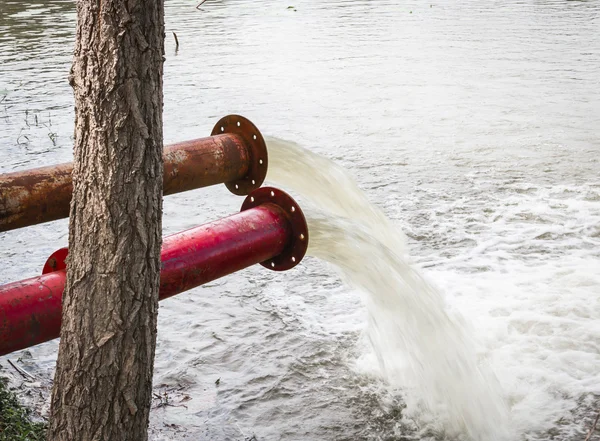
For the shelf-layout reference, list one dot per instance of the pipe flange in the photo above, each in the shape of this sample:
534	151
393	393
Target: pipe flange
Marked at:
257	150
56	261
295	251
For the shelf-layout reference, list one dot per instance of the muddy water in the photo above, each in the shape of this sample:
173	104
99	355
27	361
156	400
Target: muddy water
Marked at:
472	126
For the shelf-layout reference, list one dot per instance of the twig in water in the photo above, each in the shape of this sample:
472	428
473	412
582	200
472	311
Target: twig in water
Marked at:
176	41
200	4
164	401
589	435
22	136
22	372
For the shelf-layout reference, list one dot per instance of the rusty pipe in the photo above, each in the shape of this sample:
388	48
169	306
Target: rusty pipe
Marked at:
234	154
270	230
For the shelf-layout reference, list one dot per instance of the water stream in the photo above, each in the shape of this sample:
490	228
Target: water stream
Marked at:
422	347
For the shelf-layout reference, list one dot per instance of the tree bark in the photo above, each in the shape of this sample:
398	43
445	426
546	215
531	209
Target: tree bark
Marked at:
103	381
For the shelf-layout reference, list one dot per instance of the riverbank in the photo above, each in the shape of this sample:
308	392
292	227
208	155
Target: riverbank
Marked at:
17	421
25	392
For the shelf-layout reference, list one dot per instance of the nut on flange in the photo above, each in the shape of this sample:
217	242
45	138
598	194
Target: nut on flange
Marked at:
257	150
296	249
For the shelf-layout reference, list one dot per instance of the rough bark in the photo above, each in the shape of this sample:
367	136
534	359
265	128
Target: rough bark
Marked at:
103	381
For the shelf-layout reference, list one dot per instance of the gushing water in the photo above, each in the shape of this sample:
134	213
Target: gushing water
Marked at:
422	347
329	187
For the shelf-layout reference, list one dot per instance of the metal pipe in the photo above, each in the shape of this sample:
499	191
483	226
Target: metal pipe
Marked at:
270	230
234	154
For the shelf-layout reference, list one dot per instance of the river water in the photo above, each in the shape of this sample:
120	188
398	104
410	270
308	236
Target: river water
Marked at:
472	125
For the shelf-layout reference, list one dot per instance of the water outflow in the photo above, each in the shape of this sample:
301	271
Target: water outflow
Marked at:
330	188
422	348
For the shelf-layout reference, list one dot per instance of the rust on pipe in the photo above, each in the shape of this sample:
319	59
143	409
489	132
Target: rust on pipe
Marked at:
235	154
271	230
35	196
204	162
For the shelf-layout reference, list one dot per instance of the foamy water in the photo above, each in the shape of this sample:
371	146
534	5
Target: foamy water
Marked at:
422	349
530	287
523	363
420	346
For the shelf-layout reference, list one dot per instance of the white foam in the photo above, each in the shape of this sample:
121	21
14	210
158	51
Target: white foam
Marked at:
420	345
535	301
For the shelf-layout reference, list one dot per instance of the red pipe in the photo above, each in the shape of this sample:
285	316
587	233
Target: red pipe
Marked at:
271	230
214	250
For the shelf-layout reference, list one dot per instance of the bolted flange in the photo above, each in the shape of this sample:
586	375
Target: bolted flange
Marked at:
257	150
295	251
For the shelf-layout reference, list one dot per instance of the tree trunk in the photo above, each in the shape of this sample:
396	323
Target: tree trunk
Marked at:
103	382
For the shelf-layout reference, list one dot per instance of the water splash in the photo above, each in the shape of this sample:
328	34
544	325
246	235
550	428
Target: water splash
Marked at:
421	346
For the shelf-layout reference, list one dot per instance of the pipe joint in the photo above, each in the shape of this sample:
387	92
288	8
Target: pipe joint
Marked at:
257	151
295	250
